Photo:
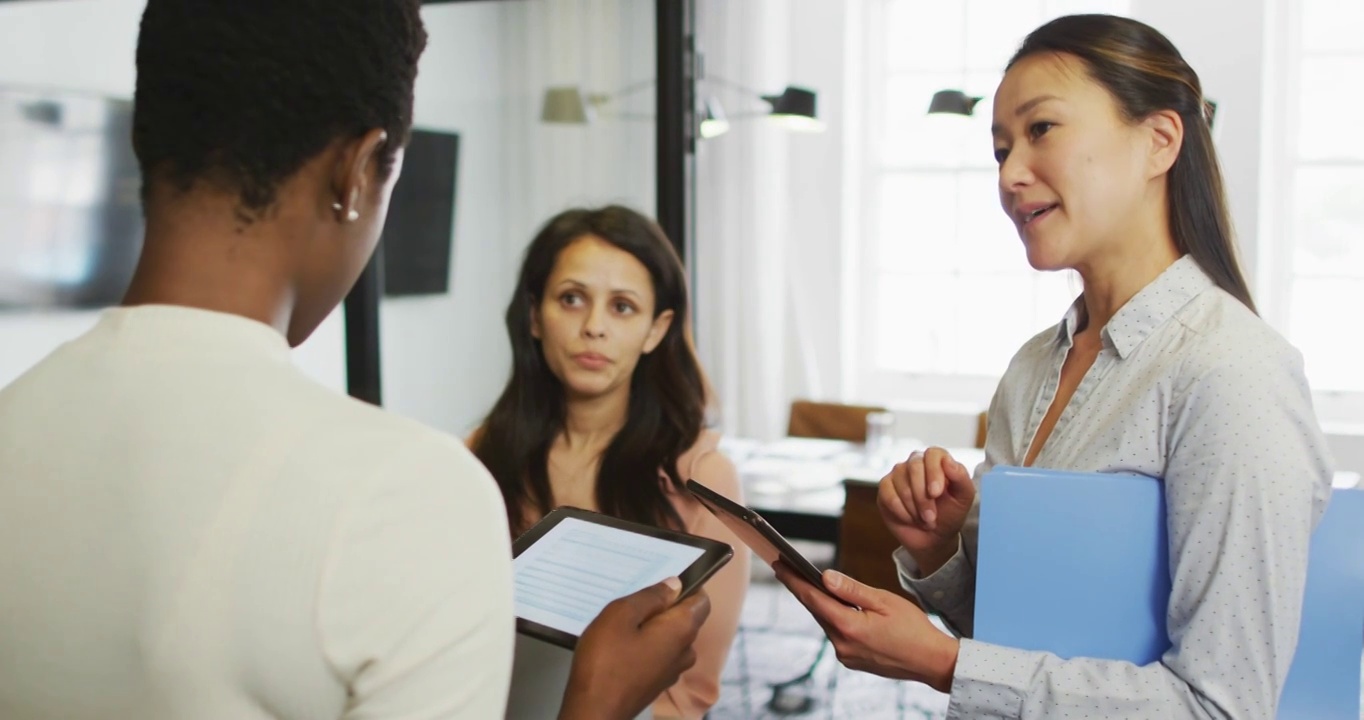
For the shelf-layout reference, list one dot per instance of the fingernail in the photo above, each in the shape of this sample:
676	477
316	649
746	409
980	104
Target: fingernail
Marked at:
935	488
673	584
833	579
930	515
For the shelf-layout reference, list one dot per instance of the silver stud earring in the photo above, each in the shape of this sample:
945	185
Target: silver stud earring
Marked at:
351	216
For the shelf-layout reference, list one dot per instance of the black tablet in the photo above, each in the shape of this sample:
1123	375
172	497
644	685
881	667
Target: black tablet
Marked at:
756	533
572	563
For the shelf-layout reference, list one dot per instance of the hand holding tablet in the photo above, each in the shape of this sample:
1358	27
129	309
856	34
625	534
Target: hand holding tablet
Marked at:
571	564
872	630
756	533
636	648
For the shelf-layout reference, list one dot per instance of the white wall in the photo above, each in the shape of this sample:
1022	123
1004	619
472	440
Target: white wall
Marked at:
1224	41
743	219
89	45
73	45
816	176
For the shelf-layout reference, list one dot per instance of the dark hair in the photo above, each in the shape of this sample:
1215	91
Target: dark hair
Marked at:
1144	73
667	390
241	93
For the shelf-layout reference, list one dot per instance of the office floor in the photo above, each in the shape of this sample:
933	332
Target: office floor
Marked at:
778	641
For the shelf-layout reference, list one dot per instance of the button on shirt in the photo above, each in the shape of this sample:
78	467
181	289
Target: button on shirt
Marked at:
1193	388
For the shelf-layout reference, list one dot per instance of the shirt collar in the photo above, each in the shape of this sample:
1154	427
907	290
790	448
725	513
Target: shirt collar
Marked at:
1065	333
1147	310
193	331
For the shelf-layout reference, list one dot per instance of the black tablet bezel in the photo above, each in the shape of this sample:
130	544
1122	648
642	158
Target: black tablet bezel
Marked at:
714	556
717	503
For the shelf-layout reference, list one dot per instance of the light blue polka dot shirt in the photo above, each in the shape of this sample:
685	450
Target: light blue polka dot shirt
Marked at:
1194	388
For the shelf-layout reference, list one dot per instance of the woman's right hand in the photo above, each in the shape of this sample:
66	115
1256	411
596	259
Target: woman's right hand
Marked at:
924	502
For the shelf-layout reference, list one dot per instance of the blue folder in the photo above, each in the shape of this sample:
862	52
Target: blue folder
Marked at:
1076	564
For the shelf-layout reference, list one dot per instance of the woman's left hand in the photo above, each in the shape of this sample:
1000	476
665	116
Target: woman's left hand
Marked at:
889	636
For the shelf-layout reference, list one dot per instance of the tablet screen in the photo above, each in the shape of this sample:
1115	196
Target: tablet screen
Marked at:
567	576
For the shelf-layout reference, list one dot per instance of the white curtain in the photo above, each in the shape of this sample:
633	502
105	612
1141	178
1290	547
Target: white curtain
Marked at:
769	256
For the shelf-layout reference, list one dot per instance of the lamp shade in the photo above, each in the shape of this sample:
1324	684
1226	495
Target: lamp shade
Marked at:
793	101
795	108
566	105
952	102
713	122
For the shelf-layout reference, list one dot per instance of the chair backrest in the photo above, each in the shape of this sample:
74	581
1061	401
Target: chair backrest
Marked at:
1103	536
829	420
864	543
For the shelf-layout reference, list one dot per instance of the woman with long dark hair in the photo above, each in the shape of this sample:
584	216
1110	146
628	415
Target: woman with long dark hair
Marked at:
605	409
1160	368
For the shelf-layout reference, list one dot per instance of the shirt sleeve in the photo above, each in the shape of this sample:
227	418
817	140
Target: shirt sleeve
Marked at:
415	605
1247	478
950	592
699	688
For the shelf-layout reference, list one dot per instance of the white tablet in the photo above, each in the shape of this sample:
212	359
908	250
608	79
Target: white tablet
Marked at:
571	564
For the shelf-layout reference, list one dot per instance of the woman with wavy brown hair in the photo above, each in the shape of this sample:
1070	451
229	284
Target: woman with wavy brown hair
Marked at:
1160	368
606	405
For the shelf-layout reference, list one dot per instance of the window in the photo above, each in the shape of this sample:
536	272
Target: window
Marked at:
1321	233
946	293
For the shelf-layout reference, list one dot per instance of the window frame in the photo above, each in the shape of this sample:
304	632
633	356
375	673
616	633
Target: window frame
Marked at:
1340	411
1271	274
867	380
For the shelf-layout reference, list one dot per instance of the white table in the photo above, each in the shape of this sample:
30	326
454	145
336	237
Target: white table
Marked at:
797	483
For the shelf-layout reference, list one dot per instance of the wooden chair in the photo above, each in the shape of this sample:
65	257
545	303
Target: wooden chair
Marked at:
864	543
829	421
834	421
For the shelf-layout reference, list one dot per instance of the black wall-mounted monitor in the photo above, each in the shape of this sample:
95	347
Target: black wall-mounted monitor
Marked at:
418	234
